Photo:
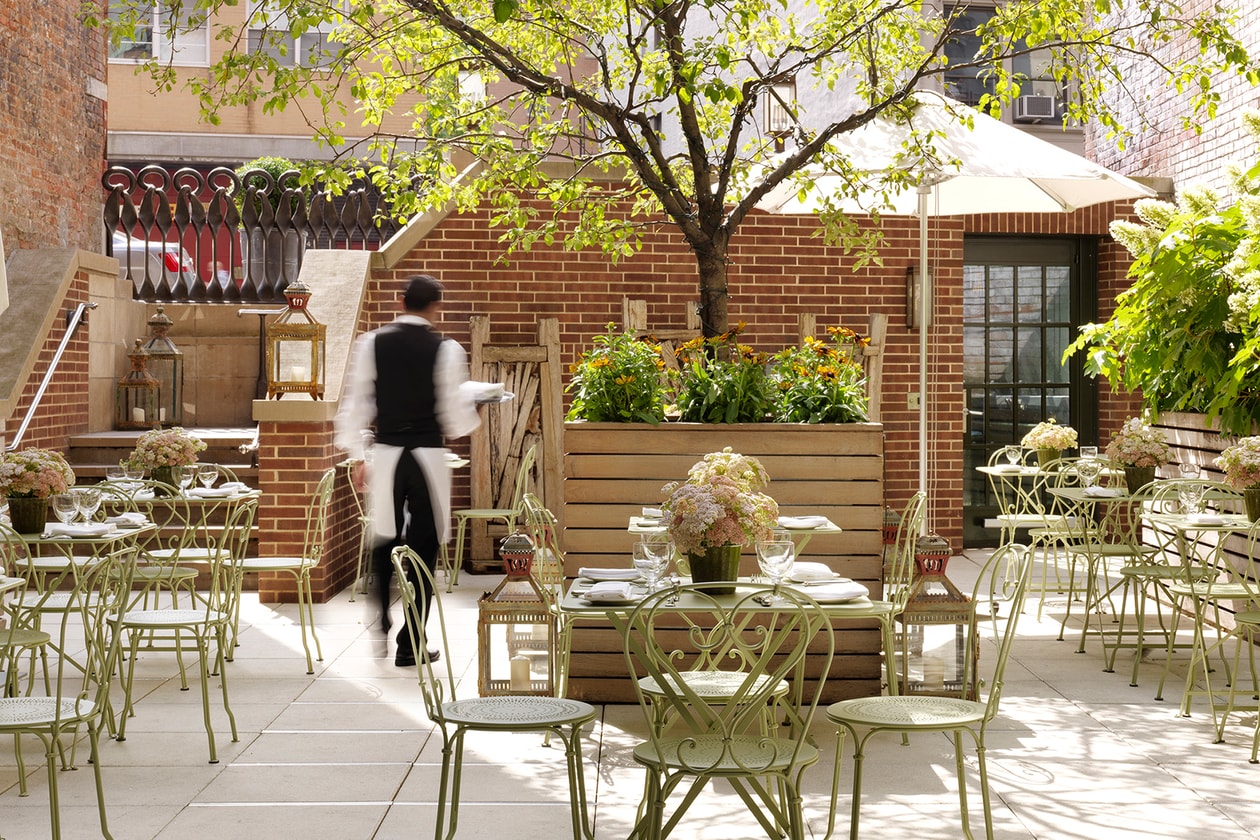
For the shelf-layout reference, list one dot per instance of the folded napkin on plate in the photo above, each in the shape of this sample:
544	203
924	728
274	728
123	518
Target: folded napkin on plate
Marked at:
651	513
608	574
79	529
238	486
1011	468
838	591
1104	492
130	519
802	521
811	571
1205	519
210	492
610	590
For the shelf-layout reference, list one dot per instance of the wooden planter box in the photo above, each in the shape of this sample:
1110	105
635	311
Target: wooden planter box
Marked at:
613	470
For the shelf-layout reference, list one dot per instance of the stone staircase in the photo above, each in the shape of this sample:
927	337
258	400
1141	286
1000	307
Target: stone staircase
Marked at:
89	454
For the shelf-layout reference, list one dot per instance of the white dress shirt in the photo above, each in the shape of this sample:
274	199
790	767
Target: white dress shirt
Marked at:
456	415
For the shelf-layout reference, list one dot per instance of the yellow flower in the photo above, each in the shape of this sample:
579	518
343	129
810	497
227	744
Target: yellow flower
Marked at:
624	380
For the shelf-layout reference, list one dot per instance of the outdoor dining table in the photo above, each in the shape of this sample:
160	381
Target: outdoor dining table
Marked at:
801	533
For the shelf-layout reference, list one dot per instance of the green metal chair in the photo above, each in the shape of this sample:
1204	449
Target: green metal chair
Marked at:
79	699
299	566
455	717
506	515
759	647
865	717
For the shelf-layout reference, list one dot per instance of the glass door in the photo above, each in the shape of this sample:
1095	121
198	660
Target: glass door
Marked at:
1023	299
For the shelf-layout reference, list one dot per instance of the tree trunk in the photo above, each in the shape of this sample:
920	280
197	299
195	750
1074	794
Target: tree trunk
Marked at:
711	266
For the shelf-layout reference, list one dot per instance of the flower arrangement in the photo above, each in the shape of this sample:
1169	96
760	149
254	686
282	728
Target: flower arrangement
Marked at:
1241	463
1048	434
820	382
720	503
34	473
1138	445
165	448
620	380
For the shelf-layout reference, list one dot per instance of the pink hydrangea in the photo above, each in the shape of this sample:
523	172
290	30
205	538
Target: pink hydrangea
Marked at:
719	504
165	448
38	473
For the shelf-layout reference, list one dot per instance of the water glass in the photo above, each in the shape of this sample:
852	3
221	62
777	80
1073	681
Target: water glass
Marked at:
775	559
87	501
64	508
132	473
1089	452
1088	469
1191	492
648	565
184	475
1012	454
208	474
115	472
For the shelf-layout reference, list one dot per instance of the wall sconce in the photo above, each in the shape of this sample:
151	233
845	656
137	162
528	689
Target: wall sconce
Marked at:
914	298
295	348
780	101
166	364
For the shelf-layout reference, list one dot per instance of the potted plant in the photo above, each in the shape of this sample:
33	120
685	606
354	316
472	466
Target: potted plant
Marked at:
1241	464
720	380
159	450
821	382
1140	449
714	513
27	478
1049	439
619	380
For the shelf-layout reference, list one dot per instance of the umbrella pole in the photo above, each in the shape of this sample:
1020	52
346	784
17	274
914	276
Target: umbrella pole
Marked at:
925	314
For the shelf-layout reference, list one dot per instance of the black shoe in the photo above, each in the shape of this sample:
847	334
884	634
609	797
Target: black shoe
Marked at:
408	660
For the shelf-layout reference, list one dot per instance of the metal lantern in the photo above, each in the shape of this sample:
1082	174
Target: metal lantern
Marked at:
166	365
295	348
136	396
934	655
516	629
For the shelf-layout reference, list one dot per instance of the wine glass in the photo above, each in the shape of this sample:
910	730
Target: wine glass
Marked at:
184	475
1088	469
208	474
660	550
646	564
1190	493
1089	453
64	508
775	559
1012	454
87	500
115	473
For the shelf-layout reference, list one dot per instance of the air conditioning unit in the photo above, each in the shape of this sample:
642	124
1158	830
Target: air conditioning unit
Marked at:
1032	108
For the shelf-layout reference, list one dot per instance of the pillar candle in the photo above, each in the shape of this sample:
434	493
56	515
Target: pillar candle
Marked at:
520	674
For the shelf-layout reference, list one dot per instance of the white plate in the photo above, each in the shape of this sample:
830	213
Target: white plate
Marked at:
501	398
609	602
802	522
807	572
598	575
836	593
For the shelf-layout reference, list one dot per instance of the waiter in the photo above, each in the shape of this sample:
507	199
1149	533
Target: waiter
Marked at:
404	383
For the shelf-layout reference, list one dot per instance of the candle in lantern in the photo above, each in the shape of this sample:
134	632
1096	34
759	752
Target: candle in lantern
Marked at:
519	680
137	415
161	415
299	373
934	673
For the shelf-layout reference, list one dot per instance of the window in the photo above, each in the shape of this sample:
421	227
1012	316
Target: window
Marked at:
1040	96
269	33
161	35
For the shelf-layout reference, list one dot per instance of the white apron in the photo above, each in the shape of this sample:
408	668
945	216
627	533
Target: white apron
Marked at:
381	489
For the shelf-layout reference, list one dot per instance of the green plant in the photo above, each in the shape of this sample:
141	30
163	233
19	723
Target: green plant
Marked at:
1186	333
619	380
722	381
820	382
276	168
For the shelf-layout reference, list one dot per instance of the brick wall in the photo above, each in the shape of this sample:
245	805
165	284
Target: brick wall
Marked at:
52	137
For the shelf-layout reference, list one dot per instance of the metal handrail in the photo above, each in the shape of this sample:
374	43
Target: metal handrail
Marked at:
72	324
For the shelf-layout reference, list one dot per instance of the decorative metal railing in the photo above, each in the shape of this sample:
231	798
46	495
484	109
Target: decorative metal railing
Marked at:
211	235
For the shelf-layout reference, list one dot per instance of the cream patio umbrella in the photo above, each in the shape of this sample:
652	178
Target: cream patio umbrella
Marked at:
946	159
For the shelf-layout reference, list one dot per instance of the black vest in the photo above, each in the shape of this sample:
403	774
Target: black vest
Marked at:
405	401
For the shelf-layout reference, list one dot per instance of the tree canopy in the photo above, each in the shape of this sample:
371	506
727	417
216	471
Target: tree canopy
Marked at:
592	121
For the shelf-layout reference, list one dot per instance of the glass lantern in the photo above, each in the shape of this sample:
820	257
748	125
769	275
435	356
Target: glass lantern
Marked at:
295	348
934	655
136	400
515	629
166	365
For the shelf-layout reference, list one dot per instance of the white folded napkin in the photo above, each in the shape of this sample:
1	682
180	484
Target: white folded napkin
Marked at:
1206	519
483	390
79	529
811	571
837	592
1104	492
610	591
608	574
802	521
238	486
210	492
652	513
1011	468
129	519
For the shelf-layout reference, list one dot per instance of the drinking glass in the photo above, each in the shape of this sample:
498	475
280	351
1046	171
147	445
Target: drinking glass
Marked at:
64	508
1088	469
775	559
184	474
660	550
1190	493
115	472
208	474
1089	452
87	500
132	473
646	565
1012	454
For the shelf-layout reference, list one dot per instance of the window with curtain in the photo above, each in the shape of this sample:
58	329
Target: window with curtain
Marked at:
164	34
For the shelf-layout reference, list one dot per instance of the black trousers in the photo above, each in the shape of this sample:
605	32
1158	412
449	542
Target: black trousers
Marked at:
415	528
